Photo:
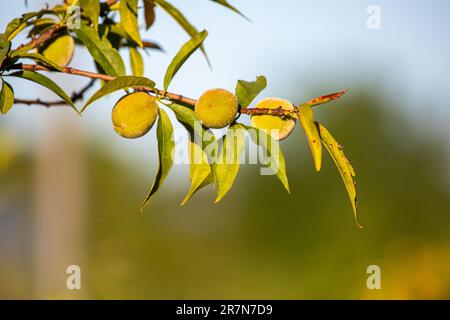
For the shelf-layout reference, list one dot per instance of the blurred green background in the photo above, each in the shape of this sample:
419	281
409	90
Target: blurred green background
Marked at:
70	189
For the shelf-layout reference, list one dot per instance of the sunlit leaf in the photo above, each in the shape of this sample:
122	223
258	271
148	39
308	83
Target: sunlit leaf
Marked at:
117	84
306	117
41	25
200	172
181	19
271	148
6	98
59	50
326	98
5	45
45	82
229	6
166	147
188	118
18	24
136	61
39	58
128	10
183	54
228	161
101	50
149	13
205	140
246	91
343	165
91	8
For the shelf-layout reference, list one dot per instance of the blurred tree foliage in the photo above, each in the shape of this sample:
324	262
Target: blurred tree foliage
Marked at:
265	244
300	246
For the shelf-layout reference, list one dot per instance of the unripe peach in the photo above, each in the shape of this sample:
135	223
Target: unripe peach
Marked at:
134	114
274	124
216	108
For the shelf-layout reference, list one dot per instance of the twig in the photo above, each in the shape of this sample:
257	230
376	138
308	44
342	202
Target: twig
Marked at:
75	97
40	40
279	112
171	96
189	102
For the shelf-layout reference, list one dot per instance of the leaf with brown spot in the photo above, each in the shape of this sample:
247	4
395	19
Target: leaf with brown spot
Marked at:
326	98
343	165
305	115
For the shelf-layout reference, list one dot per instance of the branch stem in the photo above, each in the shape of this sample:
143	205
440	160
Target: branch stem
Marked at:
189	102
92	75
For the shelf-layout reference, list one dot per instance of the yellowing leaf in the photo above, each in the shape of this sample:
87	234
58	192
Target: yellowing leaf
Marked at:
183	54
6	98
166	147
128	10
305	115
343	165
227	165
136	61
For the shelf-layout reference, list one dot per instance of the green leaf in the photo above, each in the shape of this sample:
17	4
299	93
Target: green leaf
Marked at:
182	21
200	172
227	166
137	63
18	24
166	147
204	140
41	25
6	98
272	150
229	6
247	91
91	8
5	45
183	54
117	84
306	117
343	165
39	58
149	13
188	118
102	51
128	10
46	82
